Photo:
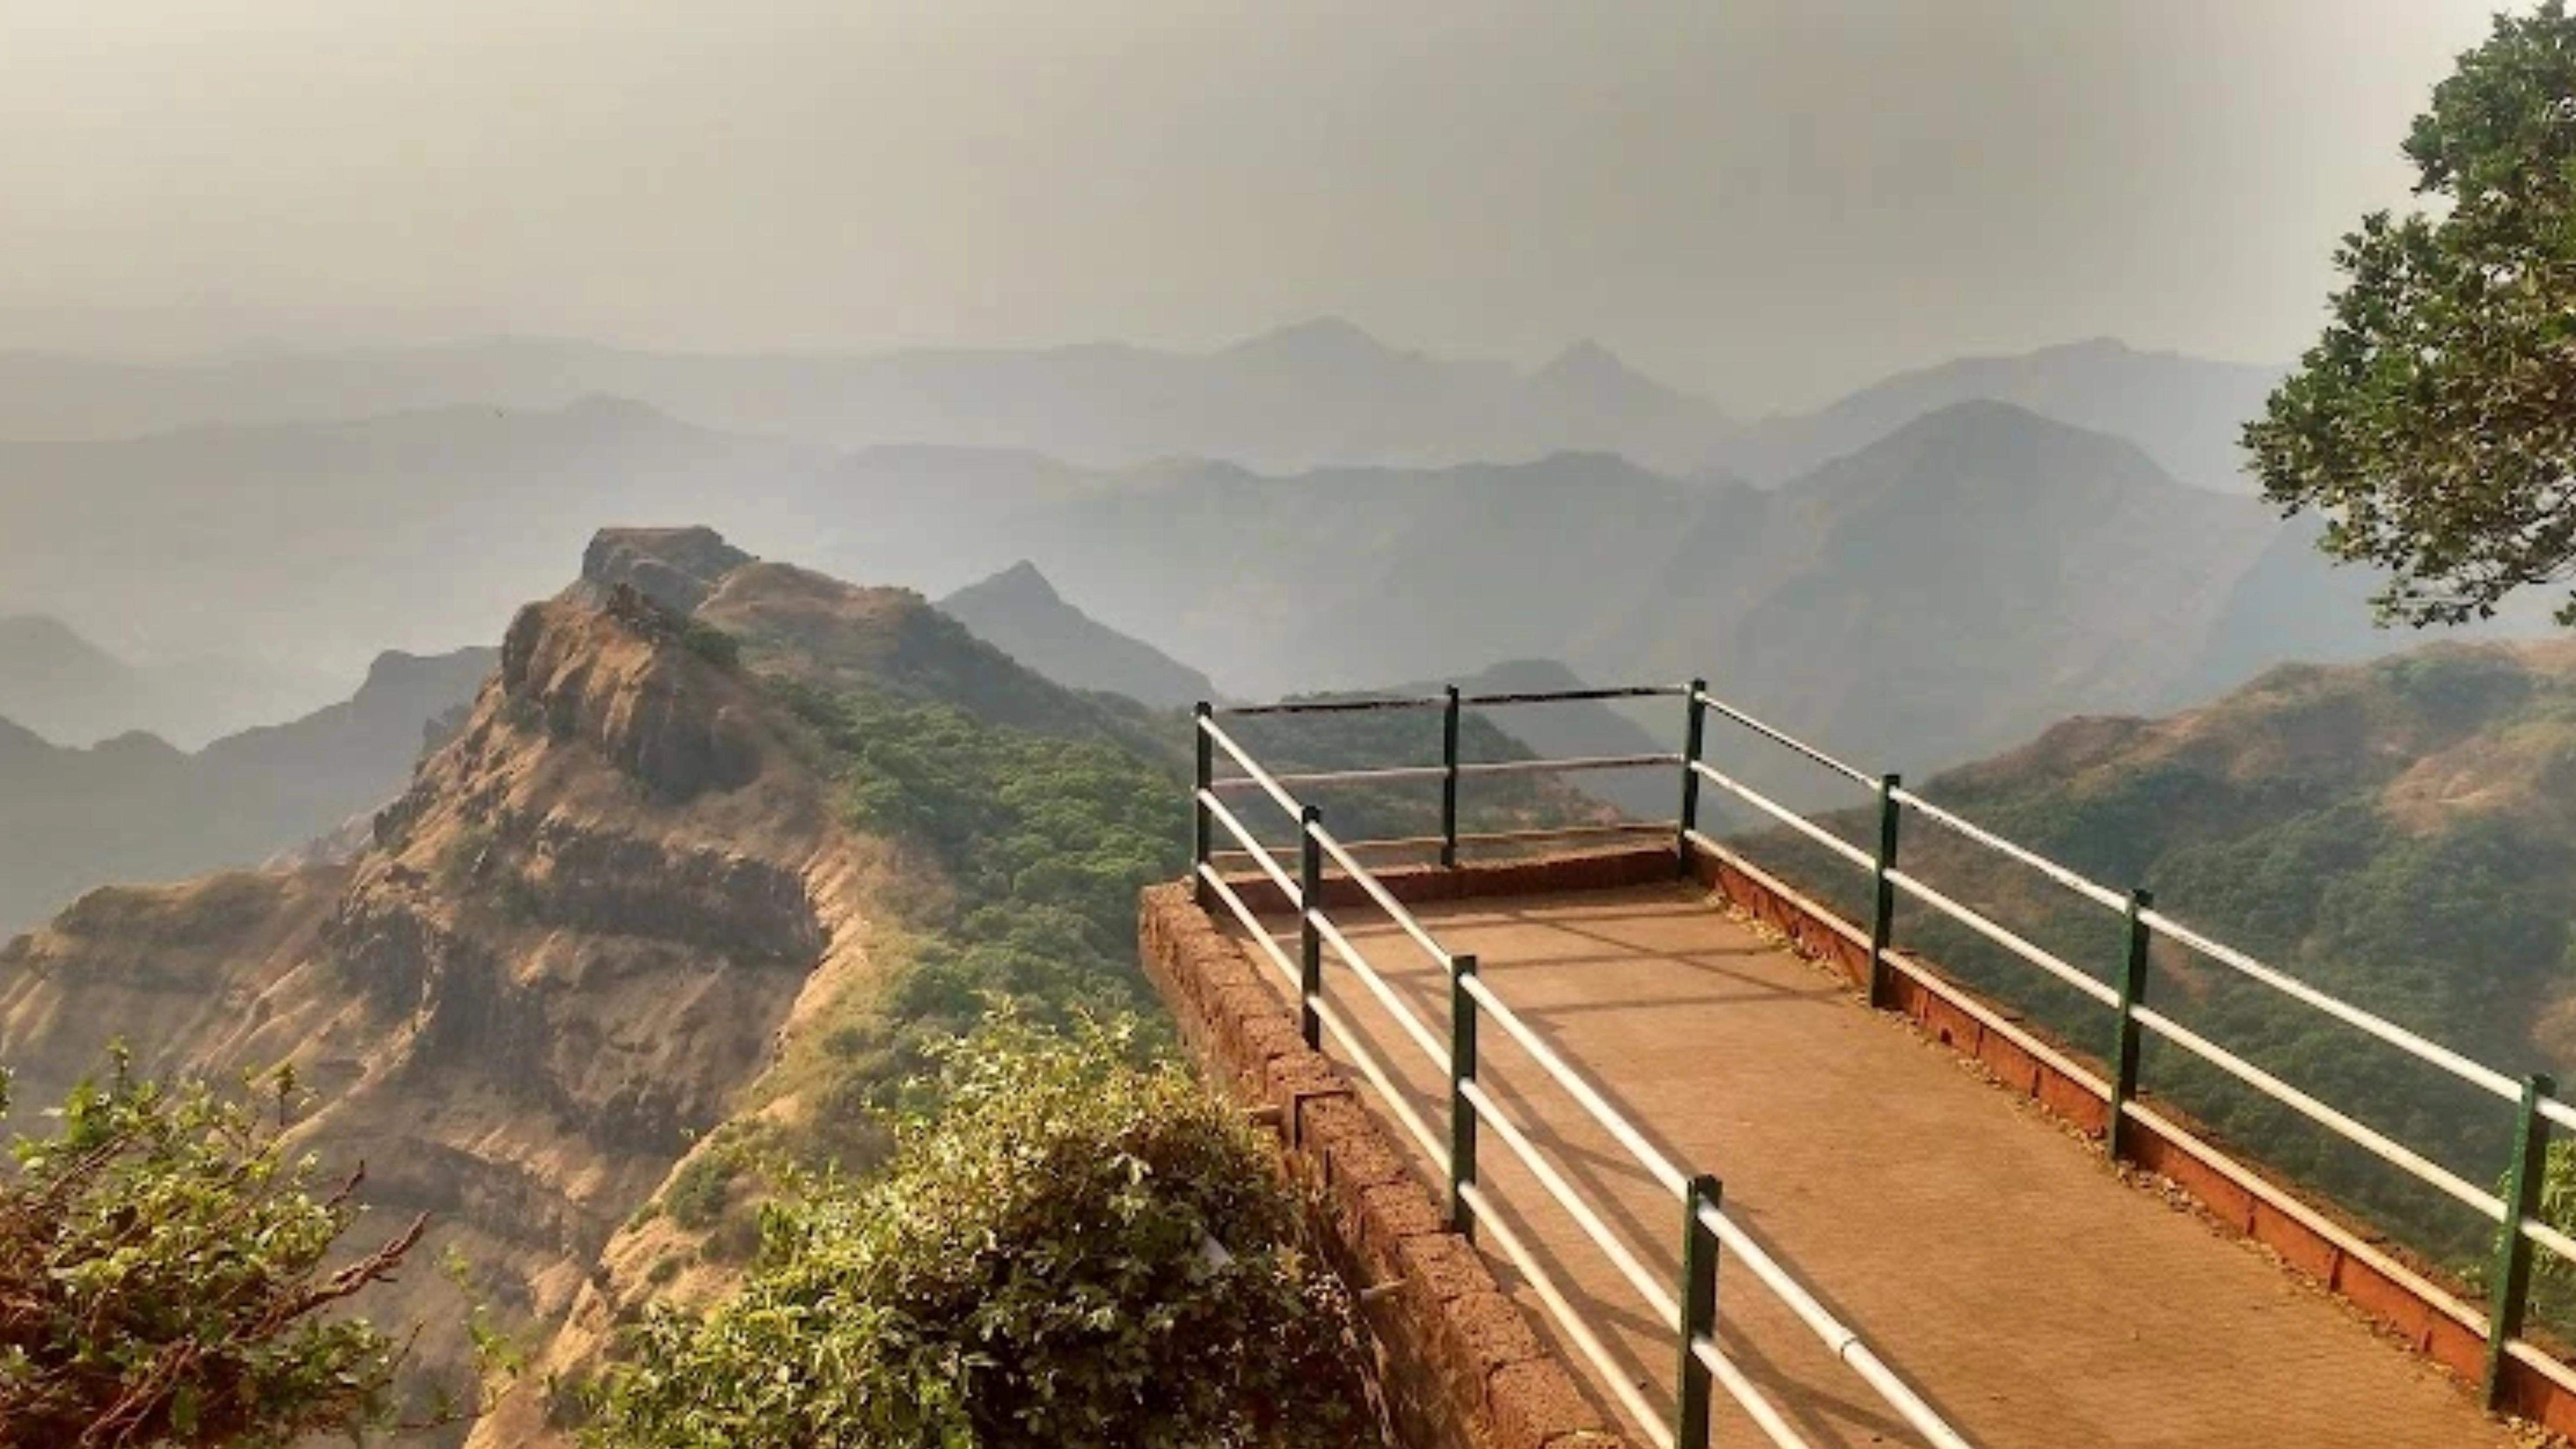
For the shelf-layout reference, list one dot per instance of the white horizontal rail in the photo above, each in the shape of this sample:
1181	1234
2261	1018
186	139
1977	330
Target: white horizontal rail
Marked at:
1747	1397
2550	1238
1489	1113
2002	936
1611	1119
1395	909
1368	1065
2378	1144
1288	889
1251	923
1336	777
1612	1375
1252	768
1788	817
1791	741
2098	894
2558	1112
1432	1047
1570	765
1839	1338
2388	1031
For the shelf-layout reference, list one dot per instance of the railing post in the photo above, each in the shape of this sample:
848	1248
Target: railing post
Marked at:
1449	782
1310	899
1882	920
1199	822
1694	740
1462	1113
1699	1313
2124	1047
2509	1295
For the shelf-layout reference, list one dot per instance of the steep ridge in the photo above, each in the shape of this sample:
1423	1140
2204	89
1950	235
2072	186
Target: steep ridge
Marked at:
630	886
135	808
1020	613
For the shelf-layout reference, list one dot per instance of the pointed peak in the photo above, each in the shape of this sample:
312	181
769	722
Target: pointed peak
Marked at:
1020	583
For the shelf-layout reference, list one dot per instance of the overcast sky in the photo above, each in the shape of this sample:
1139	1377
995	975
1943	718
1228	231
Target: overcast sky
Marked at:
1769	200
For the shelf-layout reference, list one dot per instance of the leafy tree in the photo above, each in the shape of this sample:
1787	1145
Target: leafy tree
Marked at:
162	1280
2434	424
1075	1251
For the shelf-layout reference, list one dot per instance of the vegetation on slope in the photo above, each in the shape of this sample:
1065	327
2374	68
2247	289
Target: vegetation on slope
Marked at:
163	1280
1074	1250
2393	833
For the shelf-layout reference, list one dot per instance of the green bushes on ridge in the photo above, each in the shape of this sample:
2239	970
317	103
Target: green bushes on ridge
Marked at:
1076	1251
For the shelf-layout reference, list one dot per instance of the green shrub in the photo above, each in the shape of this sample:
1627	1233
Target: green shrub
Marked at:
1078	1252
697	1195
162	1281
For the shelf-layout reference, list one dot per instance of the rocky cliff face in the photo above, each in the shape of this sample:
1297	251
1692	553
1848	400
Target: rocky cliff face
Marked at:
573	943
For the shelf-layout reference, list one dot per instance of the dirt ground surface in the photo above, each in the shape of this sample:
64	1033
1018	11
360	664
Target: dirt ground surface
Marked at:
1994	1259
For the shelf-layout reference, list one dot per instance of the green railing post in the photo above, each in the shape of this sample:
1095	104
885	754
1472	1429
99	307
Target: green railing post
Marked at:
1462	1113
1310	899
1199	822
2124	1046
1699	1314
1449	782
1882	920
2509	1295
1694	741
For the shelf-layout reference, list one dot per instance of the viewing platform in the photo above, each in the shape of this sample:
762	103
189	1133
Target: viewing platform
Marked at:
1759	1177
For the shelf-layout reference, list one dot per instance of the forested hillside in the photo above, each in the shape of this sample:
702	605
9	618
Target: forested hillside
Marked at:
2401	834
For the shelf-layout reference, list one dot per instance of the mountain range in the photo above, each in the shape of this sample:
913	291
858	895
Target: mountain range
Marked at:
72	691
137	808
1316	394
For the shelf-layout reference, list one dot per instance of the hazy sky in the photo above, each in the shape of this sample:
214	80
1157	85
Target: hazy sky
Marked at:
1766	199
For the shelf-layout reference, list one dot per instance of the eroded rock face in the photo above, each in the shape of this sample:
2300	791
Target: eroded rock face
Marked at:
674	567
572	944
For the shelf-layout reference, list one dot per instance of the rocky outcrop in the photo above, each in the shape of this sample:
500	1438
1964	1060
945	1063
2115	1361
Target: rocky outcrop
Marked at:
570	946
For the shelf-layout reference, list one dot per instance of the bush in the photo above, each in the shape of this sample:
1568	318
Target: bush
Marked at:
1077	1252
161	1281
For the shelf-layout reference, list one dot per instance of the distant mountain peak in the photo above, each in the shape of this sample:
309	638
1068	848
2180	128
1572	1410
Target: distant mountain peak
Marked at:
1321	340
1021	582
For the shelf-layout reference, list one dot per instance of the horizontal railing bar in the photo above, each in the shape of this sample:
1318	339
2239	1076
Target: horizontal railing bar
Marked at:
1660	828
2272	1195
2550	1238
1612	1376
1349	705
2558	1112
1252	923
1746	1396
2378	1144
1432	1046
1787	816
1336	777
1782	738
2036	955
1361	703
2101	895
1261	856
1489	1113
1252	768
1571	766
1558	696
2388	1031
1839	1338
1647	1154
1396	910
1367	1062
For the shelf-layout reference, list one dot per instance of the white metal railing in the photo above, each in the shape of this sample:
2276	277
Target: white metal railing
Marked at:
1689	1305
2515	1209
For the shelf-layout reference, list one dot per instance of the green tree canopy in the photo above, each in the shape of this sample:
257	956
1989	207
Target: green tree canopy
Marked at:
1074	1252
163	1281
2434	423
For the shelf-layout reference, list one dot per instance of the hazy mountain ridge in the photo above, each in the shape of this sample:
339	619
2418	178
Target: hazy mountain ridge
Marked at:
73	692
137	808
1020	613
1313	393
